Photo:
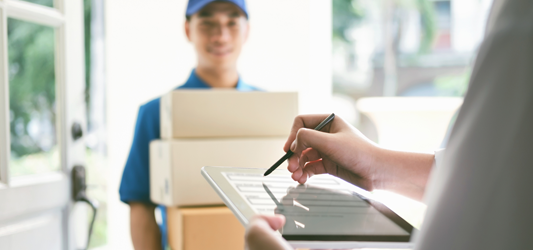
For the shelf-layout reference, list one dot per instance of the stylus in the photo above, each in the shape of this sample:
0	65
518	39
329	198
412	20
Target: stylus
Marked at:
290	153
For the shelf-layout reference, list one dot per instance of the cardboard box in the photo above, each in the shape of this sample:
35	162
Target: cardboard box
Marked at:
175	177
227	113
204	229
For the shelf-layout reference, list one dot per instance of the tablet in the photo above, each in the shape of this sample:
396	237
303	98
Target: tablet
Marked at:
326	212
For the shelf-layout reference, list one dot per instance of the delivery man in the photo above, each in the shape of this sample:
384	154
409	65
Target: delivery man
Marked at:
218	30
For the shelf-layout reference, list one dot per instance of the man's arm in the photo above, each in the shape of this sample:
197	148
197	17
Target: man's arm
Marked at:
135	185
145	232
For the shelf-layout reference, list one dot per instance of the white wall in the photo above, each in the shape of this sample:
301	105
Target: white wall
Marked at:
147	54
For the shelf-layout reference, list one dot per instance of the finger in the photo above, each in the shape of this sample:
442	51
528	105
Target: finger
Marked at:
309	138
312	168
260	235
304	121
297	175
293	163
274	221
308	155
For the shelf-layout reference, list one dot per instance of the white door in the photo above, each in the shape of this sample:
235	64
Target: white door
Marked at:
41	97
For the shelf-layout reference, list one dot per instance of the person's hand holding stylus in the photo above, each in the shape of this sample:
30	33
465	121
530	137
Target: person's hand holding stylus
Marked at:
289	153
329	151
340	149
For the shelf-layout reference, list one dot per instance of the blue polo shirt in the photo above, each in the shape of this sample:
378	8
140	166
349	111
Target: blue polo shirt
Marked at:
135	184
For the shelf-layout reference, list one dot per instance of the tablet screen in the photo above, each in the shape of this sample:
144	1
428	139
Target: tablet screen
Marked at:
325	208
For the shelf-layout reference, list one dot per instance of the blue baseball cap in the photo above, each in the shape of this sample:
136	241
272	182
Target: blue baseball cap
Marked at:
195	5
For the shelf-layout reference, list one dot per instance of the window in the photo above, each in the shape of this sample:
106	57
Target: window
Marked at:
32	99
404	48
404	66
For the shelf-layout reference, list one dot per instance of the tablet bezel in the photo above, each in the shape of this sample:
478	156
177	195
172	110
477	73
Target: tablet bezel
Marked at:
243	211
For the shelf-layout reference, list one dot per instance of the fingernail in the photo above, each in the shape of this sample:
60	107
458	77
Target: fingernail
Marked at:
293	146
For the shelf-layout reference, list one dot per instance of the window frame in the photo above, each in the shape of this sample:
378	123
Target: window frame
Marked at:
42	15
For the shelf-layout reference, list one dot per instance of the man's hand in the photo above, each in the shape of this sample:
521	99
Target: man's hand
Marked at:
261	233
341	150
144	229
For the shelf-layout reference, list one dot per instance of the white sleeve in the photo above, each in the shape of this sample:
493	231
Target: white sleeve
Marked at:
439	156
481	196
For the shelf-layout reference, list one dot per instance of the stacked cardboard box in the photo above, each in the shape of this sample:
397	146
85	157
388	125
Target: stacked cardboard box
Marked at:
213	128
204	228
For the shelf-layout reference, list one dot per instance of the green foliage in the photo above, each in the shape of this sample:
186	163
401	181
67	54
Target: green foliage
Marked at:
429	24
428	17
87	42
49	3
94	161
38	163
96	178
453	85
99	236
346	14
31	81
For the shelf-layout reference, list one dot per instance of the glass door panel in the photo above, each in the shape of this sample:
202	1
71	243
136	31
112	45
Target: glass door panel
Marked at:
32	99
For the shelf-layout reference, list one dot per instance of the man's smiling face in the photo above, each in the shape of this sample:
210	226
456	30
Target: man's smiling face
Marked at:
218	32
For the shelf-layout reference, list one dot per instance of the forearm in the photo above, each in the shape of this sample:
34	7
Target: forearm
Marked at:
405	173
145	232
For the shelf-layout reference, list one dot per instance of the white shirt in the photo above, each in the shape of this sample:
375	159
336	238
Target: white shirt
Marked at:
481	195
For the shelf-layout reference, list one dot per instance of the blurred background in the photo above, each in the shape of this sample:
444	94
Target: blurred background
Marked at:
352	57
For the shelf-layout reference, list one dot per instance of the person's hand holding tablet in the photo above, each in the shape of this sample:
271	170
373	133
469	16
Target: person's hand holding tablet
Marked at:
260	233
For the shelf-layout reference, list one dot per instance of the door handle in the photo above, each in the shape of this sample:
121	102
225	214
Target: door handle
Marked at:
76	131
79	193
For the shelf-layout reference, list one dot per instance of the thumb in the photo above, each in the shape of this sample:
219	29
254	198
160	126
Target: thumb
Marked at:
275	222
260	233
309	138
